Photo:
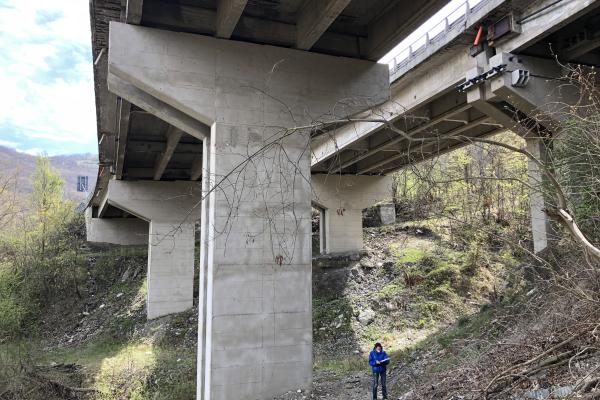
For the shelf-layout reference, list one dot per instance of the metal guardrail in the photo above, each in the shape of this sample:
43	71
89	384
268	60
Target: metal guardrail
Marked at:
458	15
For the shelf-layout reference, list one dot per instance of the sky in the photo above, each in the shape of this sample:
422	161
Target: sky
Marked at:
453	10
46	75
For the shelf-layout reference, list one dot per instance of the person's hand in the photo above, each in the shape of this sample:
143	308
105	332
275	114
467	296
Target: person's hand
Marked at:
378	362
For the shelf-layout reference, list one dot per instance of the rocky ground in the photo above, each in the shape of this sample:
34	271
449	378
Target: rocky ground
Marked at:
361	299
484	330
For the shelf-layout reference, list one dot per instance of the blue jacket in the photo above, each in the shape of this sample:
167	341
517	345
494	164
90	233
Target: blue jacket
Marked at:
375	356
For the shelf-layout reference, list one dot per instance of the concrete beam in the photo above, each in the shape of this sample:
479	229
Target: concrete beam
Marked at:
124	112
122	231
452	132
153	105
433	121
315	18
581	49
181	173
142	146
103	204
228	15
106	123
436	150
173	135
133	11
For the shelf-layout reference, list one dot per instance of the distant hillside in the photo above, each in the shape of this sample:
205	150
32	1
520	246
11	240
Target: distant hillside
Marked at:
69	166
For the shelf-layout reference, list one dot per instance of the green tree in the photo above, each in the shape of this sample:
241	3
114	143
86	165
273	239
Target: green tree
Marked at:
47	200
40	260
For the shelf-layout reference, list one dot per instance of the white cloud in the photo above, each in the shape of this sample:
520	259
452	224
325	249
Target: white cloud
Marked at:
32	152
8	143
46	75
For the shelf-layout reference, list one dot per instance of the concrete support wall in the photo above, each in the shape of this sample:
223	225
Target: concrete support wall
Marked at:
540	223
255	313
344	197
171	209
123	231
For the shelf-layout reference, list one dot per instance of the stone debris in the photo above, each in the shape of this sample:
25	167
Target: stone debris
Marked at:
366	317
367	263
555	392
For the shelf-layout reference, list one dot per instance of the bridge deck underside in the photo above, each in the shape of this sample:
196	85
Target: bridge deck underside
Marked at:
147	144
439	127
363	29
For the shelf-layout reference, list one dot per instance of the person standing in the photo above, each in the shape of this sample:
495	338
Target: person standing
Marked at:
378	359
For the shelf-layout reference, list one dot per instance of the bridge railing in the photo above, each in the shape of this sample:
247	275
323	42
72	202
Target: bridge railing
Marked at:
458	15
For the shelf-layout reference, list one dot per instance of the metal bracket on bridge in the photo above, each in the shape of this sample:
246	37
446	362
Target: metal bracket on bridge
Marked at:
520	78
479	79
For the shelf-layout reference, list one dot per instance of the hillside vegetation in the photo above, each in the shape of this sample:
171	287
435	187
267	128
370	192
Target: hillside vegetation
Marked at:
21	166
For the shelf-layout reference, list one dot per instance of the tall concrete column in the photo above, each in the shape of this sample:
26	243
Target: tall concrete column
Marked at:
170	267
255	329
258	314
343	197
540	223
171	208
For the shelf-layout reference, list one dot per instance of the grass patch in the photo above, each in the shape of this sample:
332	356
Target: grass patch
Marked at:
443	273
134	370
468	326
143	371
123	375
407	255
90	355
342	366
391	290
373	334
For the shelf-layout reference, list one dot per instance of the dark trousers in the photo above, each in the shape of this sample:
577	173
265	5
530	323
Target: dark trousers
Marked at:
376	377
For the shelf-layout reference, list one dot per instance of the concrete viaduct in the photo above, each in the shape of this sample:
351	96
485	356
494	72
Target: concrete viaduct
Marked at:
221	121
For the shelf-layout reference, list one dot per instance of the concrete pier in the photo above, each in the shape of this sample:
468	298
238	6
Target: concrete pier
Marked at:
255	329
541	228
171	210
343	197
